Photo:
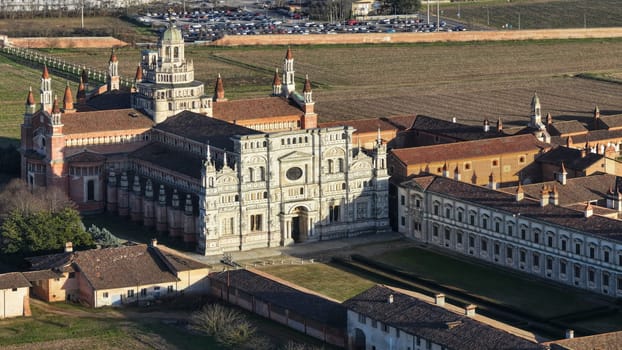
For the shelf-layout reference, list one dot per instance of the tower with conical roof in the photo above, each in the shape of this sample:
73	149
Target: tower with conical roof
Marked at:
113	78
167	84
535	120
46	90
288	82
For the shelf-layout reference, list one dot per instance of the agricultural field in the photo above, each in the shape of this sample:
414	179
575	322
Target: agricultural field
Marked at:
468	81
535	14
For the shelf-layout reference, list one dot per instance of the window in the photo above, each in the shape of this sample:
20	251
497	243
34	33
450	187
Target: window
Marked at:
169	289
510	230
471	219
563	244
549	263
385	328
606	256
536	237
471	242
374	323
13	289
495	163
508	252
619	283
577	248
522	256
460	215
105	295
72	275
403	220
577	271
590	275
417	203
459	237
435	209
497	247
467	166
497	226
156	288
605	279
130	293
143	292
256	222
362	318
562	267
523	233
521	159
536	260
435	230
402	200
485	222
447	234
448	213
592	252
549	241
333	213
484	245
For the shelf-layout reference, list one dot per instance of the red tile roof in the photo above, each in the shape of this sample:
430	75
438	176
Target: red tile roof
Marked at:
13	280
469	149
255	108
369	125
108	120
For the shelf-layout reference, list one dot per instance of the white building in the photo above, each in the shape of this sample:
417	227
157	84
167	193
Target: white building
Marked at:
386	318
556	243
14	300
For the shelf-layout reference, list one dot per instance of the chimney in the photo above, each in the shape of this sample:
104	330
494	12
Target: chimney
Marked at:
520	194
154	243
457	173
390	299
453	120
469	310
486	125
499	125
544	196
554	196
492	184
68	247
445	170
563	175
569	333
439	299
589	211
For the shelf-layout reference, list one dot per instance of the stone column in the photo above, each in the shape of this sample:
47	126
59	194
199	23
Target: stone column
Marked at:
136	207
124	204
160	211
174	216
111	192
148	206
189	221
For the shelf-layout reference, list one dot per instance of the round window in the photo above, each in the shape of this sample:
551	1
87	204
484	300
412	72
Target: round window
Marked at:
294	173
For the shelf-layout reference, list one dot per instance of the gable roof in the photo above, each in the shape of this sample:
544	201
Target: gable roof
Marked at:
571	158
576	190
109	120
13	280
556	215
170	158
255	108
434	323
201	128
270	290
611	121
565	128
457	131
373	124
469	149
110	100
120	267
605	341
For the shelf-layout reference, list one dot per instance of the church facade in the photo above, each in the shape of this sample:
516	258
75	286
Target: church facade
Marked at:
224	175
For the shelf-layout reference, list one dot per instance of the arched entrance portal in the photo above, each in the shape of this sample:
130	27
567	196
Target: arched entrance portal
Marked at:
359	339
300	228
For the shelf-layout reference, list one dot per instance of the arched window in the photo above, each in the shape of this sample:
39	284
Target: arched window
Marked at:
262	174
330	166
175	52
251	175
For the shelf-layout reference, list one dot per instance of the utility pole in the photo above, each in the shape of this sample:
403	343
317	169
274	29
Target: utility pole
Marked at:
82	14
428	2
487	16
438	15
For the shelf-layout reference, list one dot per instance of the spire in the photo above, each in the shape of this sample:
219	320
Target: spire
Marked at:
208	155
535	121
30	99
81	95
288	55
85	77
67	99
45	74
520	193
569	142
307	87
486	125
596	112
378	137
499	125
277	79
46	90
56	116
589	210
549	119
113	56
307	94
139	74
55	109
219	90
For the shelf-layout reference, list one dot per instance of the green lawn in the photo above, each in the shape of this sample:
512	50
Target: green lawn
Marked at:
322	278
534	296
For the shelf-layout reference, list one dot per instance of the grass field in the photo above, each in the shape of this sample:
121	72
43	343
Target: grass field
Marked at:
322	278
536	14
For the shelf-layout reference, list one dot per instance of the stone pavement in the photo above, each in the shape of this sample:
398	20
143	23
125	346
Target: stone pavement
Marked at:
309	250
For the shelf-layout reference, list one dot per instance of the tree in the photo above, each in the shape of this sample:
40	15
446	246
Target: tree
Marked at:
404	7
42	231
16	195
102	237
228	326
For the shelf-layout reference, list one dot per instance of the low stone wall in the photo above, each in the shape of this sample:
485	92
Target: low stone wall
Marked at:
68	42
377	38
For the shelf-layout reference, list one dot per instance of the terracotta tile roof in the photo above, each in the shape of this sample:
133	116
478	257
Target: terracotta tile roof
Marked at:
13	280
505	202
111	100
438	324
111	149
469	149
98	121
127	266
457	131
255	108
567	127
201	128
611	121
592	136
402	122
306	304
33	276
605	341
362	125
177	261
577	190
50	261
170	158
86	157
570	157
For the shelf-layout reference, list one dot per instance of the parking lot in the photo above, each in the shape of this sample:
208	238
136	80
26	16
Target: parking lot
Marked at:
212	24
